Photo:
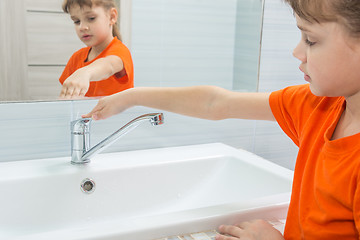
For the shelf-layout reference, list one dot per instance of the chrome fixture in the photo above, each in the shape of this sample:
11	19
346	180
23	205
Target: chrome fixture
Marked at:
80	136
87	186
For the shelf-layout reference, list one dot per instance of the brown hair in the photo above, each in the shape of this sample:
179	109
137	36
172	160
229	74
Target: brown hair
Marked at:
346	12
106	4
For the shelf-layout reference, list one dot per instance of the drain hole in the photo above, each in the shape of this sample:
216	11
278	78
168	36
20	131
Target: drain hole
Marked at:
88	186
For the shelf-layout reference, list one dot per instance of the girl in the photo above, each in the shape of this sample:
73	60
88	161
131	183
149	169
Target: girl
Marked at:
105	66
321	117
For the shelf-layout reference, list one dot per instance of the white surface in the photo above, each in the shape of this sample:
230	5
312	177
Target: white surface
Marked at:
140	194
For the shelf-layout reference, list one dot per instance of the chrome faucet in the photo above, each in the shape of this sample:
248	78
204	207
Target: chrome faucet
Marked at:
80	136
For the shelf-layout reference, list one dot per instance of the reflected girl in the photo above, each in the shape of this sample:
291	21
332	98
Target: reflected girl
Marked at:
105	66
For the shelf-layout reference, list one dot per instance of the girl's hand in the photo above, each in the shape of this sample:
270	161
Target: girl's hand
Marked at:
253	230
109	106
76	85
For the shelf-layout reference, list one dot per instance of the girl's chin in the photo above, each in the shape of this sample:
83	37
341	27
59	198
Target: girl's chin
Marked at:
315	91
321	93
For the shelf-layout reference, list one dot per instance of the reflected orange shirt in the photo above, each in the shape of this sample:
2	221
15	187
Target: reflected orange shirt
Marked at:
113	84
325	201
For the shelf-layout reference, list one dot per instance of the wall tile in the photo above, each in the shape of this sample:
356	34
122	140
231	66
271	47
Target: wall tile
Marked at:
34	130
278	69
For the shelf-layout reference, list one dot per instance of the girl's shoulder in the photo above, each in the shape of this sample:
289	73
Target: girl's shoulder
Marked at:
116	43
117	48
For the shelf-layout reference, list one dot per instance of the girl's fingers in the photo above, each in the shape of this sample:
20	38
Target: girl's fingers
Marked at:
223	237
68	92
90	114
75	93
63	93
94	113
242	225
83	92
231	230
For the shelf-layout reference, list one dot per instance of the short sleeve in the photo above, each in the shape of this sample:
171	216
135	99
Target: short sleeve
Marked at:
120	50
291	107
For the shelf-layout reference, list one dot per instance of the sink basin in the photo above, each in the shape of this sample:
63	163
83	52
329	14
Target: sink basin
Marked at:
140	195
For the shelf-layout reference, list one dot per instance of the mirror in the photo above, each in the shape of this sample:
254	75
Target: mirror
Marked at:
173	43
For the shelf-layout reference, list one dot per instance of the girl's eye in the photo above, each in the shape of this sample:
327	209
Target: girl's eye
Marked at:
309	42
91	18
77	22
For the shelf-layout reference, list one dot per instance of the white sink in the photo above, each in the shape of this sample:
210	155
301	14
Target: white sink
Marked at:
140	195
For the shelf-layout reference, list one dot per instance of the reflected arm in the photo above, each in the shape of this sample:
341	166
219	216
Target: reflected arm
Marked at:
104	67
78	83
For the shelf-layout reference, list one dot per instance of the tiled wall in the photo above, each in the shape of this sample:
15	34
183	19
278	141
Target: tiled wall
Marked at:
182	43
41	130
278	69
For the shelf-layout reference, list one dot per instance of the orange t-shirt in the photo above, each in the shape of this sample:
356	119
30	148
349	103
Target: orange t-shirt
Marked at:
325	201
113	84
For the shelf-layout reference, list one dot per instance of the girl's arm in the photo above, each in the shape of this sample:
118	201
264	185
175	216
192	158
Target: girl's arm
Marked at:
208	102
78	83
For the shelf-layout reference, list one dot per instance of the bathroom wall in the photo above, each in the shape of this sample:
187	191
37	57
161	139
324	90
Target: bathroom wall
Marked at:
41	130
184	43
278	69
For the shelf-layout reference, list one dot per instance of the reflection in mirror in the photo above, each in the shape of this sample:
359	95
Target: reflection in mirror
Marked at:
104	67
173	43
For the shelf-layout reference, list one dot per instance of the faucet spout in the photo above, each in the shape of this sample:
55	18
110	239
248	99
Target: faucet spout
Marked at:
80	143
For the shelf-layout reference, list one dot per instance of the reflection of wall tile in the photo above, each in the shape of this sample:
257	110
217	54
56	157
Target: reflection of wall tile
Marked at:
278	68
248	29
182	43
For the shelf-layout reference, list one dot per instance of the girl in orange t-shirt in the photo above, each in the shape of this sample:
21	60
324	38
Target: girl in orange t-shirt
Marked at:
321	117
105	66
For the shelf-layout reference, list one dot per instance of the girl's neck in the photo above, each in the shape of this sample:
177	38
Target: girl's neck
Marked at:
96	50
349	122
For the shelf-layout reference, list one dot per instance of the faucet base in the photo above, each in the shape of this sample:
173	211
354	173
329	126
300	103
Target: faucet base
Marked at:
80	162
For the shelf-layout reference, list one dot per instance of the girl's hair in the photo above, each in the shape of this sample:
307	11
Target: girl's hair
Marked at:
346	12
106	4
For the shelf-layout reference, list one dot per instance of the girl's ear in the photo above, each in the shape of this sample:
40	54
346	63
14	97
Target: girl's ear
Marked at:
113	16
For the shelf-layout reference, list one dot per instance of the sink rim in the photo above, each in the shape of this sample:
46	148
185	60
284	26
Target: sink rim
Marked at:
141	158
130	159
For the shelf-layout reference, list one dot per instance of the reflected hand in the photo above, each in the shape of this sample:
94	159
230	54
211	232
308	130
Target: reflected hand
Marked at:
75	86
253	230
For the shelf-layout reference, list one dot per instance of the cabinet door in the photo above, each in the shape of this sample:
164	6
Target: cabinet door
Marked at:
44	5
51	38
13	59
44	82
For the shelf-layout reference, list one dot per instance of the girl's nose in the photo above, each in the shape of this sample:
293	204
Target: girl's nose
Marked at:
300	52
84	26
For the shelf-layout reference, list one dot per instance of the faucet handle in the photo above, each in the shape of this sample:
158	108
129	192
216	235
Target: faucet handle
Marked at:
80	139
81	126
